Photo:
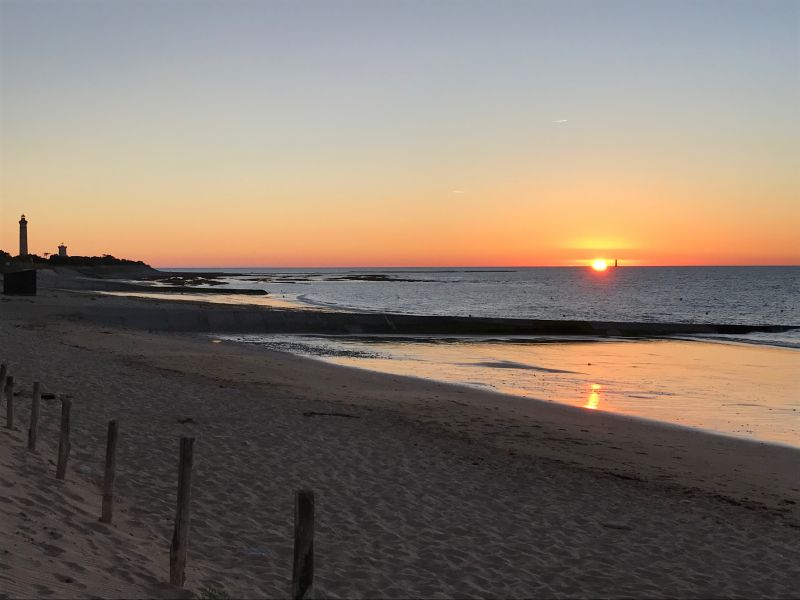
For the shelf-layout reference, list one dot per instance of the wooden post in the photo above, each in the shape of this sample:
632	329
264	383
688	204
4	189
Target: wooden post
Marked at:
180	535
33	430
9	392
303	567
63	442
110	472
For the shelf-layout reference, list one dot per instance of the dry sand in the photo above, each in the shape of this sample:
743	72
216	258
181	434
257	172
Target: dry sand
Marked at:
430	491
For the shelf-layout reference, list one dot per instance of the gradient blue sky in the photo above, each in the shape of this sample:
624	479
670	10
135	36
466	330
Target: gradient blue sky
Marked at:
405	133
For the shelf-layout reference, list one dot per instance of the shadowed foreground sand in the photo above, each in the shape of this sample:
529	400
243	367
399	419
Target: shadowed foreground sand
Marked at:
431	491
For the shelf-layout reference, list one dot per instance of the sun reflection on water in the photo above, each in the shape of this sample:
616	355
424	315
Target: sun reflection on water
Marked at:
593	399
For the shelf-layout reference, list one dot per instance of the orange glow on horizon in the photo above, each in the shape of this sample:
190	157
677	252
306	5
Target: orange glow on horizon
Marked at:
188	221
284	235
599	265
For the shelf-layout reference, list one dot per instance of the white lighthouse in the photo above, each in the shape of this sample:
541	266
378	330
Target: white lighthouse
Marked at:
23	237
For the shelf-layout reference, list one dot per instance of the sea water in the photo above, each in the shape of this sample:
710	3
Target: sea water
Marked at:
749	295
744	385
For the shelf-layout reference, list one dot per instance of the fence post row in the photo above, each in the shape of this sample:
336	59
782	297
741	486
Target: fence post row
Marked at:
303	567
180	534
303	564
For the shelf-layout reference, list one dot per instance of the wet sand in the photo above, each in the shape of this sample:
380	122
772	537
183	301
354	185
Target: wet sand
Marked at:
747	390
430	490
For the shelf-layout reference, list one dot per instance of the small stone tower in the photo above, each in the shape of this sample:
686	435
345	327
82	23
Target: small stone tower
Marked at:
23	237
62	250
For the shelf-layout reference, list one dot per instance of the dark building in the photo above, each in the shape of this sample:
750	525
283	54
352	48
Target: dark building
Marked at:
20	283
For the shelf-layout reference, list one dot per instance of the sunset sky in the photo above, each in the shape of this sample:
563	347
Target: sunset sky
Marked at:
403	133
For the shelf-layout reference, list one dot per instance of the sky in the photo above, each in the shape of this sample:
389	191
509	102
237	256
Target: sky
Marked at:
402	133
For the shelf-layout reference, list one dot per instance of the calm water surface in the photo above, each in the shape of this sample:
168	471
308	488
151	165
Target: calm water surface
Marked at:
738	389
750	295
738	385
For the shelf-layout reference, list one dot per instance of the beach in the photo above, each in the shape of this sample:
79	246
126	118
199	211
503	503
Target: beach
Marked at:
394	299
423	489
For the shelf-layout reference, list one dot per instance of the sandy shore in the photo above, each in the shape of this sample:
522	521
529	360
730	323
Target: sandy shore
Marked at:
425	490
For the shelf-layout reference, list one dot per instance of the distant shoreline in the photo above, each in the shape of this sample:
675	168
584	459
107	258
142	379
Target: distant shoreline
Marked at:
496	268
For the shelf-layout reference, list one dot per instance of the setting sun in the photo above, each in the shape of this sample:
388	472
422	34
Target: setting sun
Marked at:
599	265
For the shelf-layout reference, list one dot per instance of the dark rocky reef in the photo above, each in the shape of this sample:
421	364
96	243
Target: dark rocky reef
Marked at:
250	319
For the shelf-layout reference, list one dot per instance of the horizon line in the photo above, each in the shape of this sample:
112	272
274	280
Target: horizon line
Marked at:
654	266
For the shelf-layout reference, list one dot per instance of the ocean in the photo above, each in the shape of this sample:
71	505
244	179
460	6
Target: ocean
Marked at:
750	295
743	385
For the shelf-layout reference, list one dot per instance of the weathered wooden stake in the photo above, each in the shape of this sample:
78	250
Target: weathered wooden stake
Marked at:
9	392
63	442
180	535
303	567
110	472
33	430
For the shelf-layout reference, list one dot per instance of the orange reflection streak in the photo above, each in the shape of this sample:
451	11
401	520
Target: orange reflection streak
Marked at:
593	400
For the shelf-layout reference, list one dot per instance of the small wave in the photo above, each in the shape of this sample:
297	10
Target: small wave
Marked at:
755	339
304	299
508	364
